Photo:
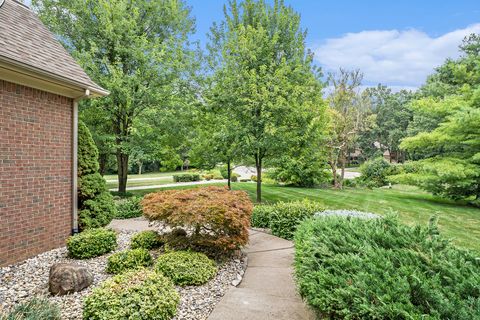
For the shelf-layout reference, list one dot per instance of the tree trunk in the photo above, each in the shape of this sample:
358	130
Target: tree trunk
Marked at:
140	164
229	174
102	161
334	173
342	172
258	164
122	165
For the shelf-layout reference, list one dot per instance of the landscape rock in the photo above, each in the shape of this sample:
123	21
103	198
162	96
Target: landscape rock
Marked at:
68	278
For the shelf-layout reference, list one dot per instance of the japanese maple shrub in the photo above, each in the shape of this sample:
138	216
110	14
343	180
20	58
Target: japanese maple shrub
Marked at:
215	219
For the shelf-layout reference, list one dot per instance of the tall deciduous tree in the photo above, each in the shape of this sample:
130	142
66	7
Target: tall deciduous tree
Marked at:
138	50
264	79
346	111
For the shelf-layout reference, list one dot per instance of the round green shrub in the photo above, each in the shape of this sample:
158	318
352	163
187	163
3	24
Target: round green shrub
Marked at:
186	267
91	243
375	172
129	208
146	239
234	177
128	260
34	309
138	294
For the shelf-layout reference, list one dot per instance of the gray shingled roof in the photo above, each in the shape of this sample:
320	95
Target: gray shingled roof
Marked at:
25	40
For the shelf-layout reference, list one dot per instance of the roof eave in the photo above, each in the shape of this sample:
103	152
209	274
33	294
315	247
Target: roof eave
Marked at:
47	81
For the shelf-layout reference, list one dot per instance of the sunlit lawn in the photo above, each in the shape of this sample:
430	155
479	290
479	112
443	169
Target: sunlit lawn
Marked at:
147	179
457	220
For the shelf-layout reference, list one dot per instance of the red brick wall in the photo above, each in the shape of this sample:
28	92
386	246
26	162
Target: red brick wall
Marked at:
35	171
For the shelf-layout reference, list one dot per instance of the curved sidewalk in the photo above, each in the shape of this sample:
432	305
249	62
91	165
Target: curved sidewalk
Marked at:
267	290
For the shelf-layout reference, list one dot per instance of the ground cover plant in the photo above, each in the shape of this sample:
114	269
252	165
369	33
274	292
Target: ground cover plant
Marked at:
214	219
129	259
91	243
139	294
186	267
284	217
148	239
34	309
381	269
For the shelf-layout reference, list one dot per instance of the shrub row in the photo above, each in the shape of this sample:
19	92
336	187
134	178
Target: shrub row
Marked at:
213	219
186	177
381	269
284	217
91	243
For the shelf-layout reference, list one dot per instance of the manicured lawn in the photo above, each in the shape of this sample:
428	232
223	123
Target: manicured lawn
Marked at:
145	175
146	179
456	219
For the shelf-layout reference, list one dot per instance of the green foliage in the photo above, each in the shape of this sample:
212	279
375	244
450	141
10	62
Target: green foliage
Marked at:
128	259
138	294
148	239
186	267
96	206
305	171
234	177
284	217
129	208
34	309
91	243
186	177
375	172
382	269
263	79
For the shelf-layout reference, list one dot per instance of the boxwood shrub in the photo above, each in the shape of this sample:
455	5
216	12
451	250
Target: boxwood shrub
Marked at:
129	259
186	177
381	269
139	294
34	309
186	267
91	243
284	217
148	239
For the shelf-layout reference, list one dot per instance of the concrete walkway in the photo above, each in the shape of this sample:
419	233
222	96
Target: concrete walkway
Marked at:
267	290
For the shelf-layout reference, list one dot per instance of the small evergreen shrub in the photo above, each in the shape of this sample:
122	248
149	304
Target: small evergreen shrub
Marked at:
186	177
216	219
128	259
375	172
253	178
234	177
91	243
95	203
129	208
284	217
149	240
186	267
350	268
138	294
34	309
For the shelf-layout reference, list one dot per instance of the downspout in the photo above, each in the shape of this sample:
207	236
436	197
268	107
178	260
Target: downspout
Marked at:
75	161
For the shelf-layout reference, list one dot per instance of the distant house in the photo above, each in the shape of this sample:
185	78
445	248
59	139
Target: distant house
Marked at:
40	86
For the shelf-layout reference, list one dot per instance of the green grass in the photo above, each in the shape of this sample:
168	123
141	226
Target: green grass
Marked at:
457	220
145	175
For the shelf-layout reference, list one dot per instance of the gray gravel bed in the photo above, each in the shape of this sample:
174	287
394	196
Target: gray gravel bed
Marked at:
29	278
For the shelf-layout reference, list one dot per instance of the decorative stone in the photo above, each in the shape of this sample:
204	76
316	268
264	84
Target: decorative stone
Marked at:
67	278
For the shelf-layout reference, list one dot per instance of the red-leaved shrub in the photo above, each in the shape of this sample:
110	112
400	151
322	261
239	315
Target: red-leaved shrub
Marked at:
215	219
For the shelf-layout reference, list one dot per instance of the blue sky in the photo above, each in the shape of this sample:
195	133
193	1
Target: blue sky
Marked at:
396	42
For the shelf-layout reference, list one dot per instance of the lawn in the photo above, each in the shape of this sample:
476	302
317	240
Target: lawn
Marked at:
456	219
146	179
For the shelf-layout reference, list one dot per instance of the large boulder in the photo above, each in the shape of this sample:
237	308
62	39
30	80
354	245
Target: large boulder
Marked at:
67	278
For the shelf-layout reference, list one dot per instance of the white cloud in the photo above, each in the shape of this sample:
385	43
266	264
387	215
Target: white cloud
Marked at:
400	58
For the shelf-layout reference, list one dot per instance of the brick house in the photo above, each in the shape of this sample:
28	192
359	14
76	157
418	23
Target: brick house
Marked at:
40	86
